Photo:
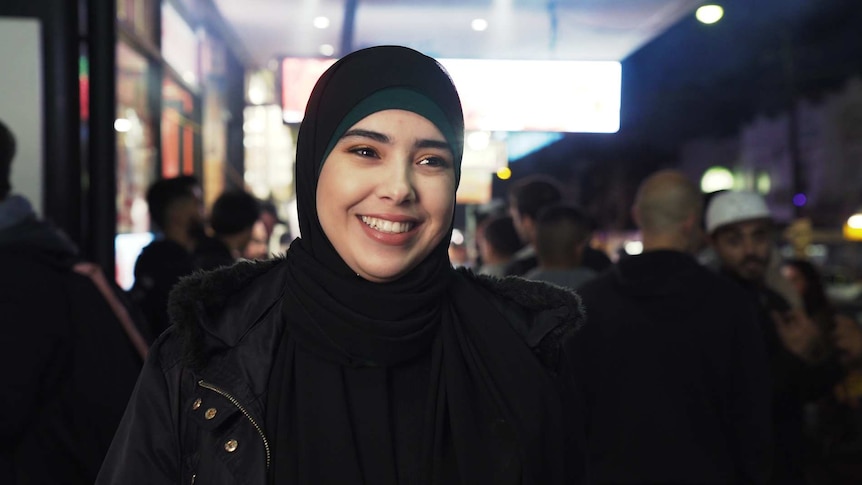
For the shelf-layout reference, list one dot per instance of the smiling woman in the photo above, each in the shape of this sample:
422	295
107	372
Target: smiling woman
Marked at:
362	356
386	194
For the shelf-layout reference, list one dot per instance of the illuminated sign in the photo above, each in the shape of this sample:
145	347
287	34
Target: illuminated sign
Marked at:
502	95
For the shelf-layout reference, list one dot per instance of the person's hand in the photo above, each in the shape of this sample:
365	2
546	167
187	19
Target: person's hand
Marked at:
798	333
847	338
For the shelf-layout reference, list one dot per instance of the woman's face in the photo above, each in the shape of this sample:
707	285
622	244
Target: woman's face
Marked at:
386	194
258	246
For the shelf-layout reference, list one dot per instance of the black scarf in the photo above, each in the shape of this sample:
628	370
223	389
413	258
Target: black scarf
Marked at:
489	412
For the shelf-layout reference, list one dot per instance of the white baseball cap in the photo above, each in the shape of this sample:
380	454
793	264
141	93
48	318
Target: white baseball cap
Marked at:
732	207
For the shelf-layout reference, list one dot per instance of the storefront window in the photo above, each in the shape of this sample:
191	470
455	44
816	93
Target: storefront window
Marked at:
135	148
180	132
215	115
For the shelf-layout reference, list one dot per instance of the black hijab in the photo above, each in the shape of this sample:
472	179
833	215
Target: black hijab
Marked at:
489	413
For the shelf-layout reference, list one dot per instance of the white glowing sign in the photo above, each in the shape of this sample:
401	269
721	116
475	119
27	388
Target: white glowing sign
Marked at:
503	95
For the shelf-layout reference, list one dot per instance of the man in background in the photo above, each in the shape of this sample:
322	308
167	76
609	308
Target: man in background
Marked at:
497	242
177	220
233	217
562	233
673	364
526	199
70	353
742	233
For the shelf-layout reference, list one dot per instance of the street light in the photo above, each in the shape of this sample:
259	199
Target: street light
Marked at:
709	14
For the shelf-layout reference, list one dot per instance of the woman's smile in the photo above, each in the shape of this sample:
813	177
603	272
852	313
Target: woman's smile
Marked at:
388	226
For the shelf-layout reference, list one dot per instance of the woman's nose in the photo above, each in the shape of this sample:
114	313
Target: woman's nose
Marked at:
397	184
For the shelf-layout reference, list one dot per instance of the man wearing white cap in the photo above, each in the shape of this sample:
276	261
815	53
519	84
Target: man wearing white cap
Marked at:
741	231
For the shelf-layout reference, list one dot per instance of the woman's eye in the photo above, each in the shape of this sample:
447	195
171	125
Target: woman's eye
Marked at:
364	152
434	162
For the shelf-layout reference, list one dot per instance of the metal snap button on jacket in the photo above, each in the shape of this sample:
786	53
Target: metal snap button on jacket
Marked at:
230	446
211	412
196	404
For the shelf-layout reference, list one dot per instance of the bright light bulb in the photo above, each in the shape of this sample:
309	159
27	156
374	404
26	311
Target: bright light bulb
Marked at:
709	14
479	24
634	247
321	22
855	221
457	237
122	125
327	50
504	173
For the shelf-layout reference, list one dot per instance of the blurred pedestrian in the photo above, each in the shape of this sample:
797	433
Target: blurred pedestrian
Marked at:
526	198
177	222
497	241
233	217
270	218
562	233
834	421
70	349
673	364
742	234
258	245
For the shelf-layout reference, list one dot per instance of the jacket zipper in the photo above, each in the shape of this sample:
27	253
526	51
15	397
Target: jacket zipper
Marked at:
239	406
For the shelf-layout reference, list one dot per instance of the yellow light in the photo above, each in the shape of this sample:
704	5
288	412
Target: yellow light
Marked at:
853	227
503	173
709	14
852	233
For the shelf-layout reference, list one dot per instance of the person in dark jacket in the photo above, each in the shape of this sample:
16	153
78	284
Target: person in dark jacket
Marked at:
675	370
176	218
741	232
526	198
234	214
834	426
63	337
497	242
362	356
562	234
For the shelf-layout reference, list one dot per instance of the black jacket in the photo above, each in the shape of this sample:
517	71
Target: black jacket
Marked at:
158	268
675	376
212	253
198	410
794	383
68	367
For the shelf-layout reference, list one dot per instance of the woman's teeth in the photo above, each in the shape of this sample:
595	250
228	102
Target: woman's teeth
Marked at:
383	225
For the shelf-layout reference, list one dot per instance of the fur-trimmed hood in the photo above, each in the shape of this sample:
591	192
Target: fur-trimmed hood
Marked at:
205	306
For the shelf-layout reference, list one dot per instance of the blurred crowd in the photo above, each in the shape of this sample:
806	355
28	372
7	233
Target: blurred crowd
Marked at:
706	358
657	378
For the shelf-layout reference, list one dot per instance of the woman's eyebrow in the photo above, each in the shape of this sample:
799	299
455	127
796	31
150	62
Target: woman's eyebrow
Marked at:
383	138
433	144
376	136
